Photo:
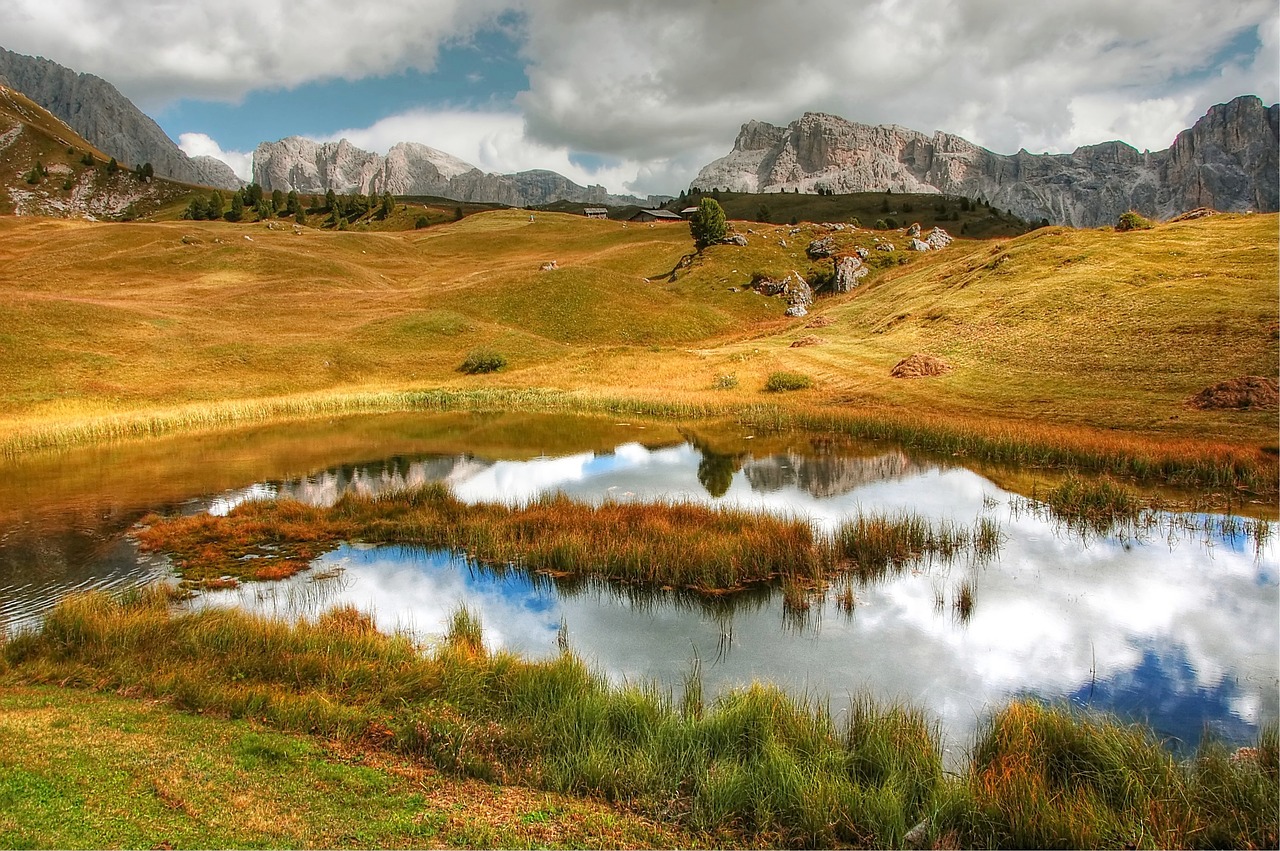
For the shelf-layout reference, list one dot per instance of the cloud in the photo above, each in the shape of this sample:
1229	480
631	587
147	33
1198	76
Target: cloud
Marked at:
157	51
200	145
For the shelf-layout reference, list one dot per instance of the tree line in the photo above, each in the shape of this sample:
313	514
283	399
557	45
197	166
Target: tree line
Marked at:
341	209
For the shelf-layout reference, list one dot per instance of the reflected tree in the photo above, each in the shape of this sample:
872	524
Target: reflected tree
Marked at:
715	471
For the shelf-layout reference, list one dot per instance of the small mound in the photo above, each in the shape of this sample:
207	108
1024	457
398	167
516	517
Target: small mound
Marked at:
810	340
920	366
1246	393
821	322
1197	213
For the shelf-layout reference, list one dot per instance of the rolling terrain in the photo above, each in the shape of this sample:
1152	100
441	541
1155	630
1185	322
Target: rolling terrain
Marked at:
1105	331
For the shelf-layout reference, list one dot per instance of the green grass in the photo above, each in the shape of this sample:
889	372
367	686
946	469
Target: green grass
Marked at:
85	770
753	766
782	382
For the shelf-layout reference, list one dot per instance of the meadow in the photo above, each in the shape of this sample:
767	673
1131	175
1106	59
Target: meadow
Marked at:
1077	348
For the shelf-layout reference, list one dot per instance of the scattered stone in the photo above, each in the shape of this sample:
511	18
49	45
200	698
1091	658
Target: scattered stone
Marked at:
821	322
938	239
734	239
849	273
914	230
249	238
884	246
793	231
920	366
782	243
810	340
917	245
731	289
1246	393
1197	213
550	266
836	226
797	310
820	248
862	253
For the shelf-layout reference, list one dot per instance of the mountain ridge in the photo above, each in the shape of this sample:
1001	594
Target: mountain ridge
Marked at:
1226	160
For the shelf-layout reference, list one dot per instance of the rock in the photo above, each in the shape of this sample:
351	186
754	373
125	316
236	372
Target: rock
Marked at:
849	273
862	253
769	286
796	310
917	245
734	239
798	290
550	266
782	243
920	366
820	248
1197	213
884	246
914	230
938	239
1229	160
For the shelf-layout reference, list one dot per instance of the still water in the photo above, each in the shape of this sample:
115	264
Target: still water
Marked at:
1179	628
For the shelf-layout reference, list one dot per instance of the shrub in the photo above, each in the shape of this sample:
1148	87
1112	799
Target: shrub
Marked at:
481	360
726	382
1133	221
881	224
780	382
421	222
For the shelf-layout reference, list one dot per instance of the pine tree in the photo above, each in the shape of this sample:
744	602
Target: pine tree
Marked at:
214	205
707	225
236	213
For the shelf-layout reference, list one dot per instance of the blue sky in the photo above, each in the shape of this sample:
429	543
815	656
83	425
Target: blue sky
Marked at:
638	94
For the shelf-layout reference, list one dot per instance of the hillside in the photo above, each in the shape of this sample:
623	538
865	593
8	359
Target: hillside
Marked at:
1094	329
47	169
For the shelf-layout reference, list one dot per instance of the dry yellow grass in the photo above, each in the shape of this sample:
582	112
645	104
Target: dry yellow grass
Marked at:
1091	333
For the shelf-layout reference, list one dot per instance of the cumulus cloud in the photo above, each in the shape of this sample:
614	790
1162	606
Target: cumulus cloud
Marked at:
200	145
156	51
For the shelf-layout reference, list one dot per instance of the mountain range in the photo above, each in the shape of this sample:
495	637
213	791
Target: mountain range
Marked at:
1227	161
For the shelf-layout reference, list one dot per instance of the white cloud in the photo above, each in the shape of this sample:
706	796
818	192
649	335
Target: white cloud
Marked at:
200	145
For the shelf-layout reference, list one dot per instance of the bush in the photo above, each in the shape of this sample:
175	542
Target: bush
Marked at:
881	224
726	382
1133	221
421	222
481	360
781	382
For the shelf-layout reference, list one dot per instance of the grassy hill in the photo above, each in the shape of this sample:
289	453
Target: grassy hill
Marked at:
1109	332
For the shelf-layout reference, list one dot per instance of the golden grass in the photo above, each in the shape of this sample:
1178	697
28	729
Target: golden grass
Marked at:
1086	337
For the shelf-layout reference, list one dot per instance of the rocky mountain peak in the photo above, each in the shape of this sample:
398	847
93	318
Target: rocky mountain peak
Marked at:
1227	160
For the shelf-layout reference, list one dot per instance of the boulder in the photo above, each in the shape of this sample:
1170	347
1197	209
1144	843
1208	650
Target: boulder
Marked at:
820	248
734	239
914	230
550	266
849	273
862	253
938	239
917	245
797	310
884	246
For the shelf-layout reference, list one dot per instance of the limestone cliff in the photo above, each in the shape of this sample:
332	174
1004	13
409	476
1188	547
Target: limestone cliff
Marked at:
107	119
1228	161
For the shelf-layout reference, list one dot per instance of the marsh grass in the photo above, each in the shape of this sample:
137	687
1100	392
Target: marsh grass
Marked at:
1101	507
670	545
755	764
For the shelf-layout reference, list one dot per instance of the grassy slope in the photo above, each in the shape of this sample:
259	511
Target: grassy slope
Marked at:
1082	328
83	770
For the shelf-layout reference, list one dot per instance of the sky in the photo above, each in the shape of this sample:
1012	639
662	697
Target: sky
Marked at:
637	95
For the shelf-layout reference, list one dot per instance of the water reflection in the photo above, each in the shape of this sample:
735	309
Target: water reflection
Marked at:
1178	623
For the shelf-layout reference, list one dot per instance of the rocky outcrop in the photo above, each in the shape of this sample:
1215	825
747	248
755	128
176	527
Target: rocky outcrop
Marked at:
825	476
1227	161
108	120
410	168
849	272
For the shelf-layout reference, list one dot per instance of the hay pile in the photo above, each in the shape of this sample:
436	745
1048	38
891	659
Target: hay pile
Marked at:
1246	393
920	366
821	322
807	341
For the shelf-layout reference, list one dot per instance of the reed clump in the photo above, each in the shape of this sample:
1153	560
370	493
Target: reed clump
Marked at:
684	545
755	765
